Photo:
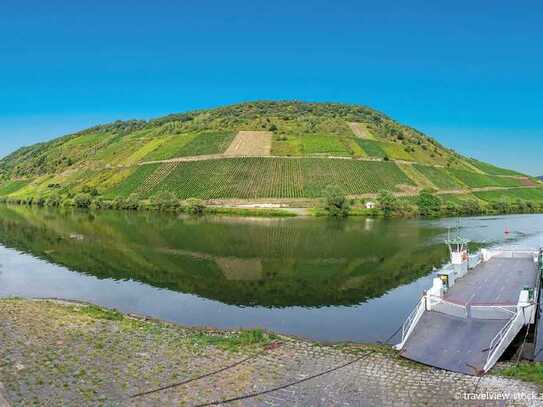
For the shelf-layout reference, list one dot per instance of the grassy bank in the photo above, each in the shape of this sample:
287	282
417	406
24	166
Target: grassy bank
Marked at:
523	200
529	372
249	212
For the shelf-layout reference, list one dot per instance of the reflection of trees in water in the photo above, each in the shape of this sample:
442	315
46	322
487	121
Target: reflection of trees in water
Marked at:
276	263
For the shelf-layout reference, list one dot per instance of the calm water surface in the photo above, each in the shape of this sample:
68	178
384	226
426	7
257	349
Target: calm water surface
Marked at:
352	280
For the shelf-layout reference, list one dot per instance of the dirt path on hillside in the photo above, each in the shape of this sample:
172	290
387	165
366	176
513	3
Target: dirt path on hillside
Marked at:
206	157
360	130
250	143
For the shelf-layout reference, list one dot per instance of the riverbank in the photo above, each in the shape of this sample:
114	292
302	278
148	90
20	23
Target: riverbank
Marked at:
60	353
427	204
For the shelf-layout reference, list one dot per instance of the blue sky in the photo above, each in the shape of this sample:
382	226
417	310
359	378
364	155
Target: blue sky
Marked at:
466	72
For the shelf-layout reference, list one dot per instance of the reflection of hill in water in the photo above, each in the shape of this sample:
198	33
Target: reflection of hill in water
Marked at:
276	263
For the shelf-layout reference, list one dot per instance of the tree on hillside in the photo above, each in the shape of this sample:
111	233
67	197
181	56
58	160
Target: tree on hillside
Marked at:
54	200
336	203
387	202
502	206
82	200
133	201
165	201
471	207
92	191
428	203
195	206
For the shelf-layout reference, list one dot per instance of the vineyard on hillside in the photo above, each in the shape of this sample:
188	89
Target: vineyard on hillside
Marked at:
257	177
526	194
11	187
476	180
492	169
209	142
324	145
308	144
440	177
371	148
155	178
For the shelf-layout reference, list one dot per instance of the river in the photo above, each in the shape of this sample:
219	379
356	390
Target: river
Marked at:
329	280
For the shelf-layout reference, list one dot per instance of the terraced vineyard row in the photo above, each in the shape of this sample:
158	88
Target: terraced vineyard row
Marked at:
492	169
156	177
475	180
354	177
133	181
440	177
235	178
257	177
526	194
450	179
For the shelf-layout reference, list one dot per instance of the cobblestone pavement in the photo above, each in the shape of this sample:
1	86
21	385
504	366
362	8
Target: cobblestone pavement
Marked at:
3	399
58	354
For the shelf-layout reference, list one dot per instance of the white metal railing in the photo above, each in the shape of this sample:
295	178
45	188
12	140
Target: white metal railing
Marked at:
510	328
449	308
447	267
412	319
474	260
492	311
513	252
475	311
432	300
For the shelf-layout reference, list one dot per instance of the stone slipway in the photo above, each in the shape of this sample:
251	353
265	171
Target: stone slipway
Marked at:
3	398
73	355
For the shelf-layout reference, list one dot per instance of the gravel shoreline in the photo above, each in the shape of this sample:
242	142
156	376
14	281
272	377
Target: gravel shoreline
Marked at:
63	353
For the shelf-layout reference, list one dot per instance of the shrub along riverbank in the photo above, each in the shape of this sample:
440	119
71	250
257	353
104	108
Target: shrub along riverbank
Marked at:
335	204
428	205
163	203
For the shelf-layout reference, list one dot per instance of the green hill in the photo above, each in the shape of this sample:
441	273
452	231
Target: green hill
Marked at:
249	151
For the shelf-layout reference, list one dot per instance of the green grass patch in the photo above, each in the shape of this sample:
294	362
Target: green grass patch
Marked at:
323	145
11	187
286	146
209	142
371	148
529	372
250	212
99	313
354	147
171	147
235	341
525	194
396	151
321	212
457	198
492	169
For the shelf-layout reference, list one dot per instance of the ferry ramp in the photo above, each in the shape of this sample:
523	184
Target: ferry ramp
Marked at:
469	328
